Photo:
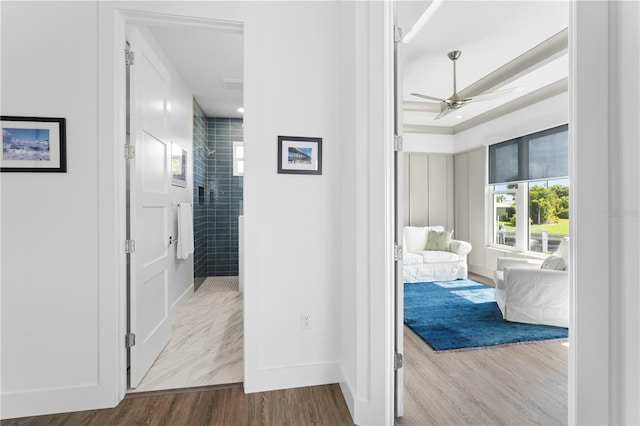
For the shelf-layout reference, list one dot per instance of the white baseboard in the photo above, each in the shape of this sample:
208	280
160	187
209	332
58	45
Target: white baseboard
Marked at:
183	298
479	270
57	400
269	379
347	394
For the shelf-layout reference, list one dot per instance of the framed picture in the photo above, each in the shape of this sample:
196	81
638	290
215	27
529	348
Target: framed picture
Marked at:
178	166
33	144
299	155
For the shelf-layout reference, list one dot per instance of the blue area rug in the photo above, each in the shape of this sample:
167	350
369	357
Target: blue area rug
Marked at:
463	314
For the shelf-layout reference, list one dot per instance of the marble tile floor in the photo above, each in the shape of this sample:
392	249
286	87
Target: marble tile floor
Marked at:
206	341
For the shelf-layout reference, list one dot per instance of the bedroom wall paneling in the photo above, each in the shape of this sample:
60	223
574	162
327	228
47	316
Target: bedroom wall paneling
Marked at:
429	198
477	220
470	184
461	182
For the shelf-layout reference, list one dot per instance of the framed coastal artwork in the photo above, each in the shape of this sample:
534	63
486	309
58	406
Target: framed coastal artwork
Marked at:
299	155
33	144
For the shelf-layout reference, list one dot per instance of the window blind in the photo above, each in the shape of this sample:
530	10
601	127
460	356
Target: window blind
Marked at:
540	155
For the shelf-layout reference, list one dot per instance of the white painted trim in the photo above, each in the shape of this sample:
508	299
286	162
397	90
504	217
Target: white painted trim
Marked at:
346	388
423	128
183	298
589	322
529	99
550	49
269	379
112	190
112	181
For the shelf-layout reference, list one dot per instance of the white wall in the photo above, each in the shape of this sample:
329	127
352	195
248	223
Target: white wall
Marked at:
292	223
54	347
431	143
365	34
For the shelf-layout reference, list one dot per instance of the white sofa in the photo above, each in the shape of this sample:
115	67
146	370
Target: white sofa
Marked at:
421	265
526	293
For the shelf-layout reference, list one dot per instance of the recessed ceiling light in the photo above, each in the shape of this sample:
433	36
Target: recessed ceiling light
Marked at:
240	110
458	116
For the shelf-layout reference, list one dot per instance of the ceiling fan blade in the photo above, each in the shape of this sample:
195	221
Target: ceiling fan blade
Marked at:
446	111
431	98
496	94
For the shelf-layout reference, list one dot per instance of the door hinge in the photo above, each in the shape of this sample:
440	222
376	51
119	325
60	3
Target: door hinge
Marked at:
397	361
397	34
129	57
397	143
129	340
397	252
129	246
129	152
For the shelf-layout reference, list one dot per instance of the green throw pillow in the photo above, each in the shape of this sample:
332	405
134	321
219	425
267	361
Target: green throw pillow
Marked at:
439	240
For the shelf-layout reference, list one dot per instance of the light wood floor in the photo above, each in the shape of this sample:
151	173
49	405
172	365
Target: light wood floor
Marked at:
522	384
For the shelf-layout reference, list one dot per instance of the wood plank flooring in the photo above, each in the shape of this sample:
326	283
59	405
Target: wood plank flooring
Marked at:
318	405
522	384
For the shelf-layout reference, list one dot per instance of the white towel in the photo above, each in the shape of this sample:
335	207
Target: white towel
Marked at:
185	231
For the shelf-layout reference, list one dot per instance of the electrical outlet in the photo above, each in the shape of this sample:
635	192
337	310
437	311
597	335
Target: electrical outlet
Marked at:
305	321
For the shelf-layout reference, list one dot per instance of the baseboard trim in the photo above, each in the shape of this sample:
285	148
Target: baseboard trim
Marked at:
269	379
173	391
183	298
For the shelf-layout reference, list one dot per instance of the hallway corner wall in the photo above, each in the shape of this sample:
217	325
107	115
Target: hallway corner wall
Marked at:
199	206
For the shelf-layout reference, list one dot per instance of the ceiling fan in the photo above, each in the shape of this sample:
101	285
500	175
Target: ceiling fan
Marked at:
455	101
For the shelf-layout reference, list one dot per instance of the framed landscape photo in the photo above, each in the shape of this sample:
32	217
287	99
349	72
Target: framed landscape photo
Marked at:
299	155
33	144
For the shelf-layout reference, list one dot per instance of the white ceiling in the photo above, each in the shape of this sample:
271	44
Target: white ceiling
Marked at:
204	58
489	34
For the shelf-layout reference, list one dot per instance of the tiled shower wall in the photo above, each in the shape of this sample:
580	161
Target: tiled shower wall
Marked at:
199	204
224	195
217	195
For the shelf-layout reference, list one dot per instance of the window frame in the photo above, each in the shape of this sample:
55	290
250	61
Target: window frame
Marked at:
238	159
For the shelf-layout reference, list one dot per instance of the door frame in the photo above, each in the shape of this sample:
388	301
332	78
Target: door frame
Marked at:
589	378
114	162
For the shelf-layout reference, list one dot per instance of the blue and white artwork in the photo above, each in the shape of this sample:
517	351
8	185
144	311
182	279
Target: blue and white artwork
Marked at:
300	155
25	144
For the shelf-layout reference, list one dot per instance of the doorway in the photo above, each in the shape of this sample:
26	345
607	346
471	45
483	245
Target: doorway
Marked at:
203	345
440	139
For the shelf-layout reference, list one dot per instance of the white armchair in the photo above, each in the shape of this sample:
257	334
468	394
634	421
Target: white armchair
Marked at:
526	293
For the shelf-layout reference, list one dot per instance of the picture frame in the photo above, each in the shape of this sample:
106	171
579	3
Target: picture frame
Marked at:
299	155
178	166
33	144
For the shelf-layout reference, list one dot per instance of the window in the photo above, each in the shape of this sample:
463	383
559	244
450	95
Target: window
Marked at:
238	158
504	213
529	191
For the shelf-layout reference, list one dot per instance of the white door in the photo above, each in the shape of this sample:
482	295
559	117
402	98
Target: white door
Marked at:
399	221
150	208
